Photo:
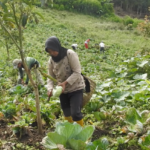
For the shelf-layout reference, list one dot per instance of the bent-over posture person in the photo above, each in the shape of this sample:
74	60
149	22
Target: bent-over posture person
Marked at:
102	47
32	65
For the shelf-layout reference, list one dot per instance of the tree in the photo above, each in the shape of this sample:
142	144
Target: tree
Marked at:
5	38
17	13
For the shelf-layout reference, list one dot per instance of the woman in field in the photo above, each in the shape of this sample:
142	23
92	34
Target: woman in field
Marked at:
64	66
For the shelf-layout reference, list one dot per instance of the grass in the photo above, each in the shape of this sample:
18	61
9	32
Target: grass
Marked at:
76	28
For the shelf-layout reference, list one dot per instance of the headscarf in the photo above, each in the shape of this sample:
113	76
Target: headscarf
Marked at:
53	43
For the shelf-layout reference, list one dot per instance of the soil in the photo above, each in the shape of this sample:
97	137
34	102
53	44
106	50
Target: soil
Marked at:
33	139
98	133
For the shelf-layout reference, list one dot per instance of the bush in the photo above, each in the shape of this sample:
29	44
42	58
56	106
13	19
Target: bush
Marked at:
94	7
144	27
136	22
56	6
116	19
128	20
61	7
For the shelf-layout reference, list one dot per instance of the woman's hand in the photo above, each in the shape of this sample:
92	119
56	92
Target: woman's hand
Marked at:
49	93
63	84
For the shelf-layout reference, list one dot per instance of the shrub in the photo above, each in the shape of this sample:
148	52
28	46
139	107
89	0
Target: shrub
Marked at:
144	27
136	22
56	6
116	19
128	20
61	7
94	7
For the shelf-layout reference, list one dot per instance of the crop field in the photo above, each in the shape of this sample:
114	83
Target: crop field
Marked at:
117	116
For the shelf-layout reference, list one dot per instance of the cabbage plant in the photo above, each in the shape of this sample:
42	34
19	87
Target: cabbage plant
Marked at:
57	91
71	136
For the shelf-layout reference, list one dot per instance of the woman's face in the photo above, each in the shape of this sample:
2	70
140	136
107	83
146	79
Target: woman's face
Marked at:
52	53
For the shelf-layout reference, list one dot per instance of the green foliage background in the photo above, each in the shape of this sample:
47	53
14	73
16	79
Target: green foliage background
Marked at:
94	7
119	74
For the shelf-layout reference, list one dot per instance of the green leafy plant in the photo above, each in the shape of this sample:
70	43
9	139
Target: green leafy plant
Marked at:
100	144
9	110
69	135
19	89
144	142
20	127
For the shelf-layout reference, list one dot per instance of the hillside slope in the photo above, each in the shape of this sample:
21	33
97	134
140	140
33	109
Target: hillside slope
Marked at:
76	28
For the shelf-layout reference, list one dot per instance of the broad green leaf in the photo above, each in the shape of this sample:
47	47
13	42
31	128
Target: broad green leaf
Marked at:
145	114
146	142
105	98
97	116
147	81
121	82
122	75
85	134
139	77
18	89
120	95
100	144
49	144
52	139
140	97
104	144
137	128
102	115
132	116
16	130
120	140
141	64
106	84
117	107
76	144
68	130
141	83
92	145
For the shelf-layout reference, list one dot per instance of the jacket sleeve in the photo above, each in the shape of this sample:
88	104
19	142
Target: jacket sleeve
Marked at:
75	67
50	72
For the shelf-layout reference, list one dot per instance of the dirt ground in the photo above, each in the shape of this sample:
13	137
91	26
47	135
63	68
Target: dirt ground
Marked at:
10	140
31	139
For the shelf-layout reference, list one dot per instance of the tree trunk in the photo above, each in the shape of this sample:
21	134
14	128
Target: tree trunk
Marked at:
38	110
39	121
20	48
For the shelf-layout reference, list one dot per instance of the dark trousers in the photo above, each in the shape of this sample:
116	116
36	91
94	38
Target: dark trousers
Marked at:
102	50
71	104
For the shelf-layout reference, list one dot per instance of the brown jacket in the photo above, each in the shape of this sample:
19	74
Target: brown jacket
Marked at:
68	69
